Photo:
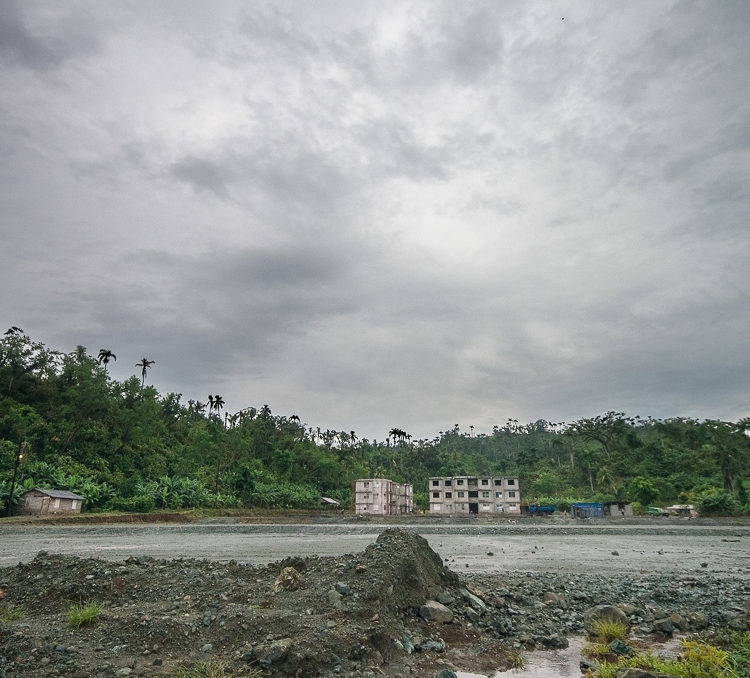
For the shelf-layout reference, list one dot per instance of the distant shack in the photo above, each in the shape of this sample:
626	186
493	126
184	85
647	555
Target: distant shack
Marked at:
44	502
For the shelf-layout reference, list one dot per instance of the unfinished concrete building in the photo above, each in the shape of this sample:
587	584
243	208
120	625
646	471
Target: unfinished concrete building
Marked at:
468	495
380	496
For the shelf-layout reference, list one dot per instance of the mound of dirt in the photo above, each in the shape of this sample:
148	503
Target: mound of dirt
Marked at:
354	615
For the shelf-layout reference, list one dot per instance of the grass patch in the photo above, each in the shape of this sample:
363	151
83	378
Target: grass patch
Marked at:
213	669
9	612
596	651
84	615
607	630
698	660
518	660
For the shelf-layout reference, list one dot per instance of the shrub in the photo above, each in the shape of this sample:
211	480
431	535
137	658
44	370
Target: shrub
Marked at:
83	615
716	501
141	503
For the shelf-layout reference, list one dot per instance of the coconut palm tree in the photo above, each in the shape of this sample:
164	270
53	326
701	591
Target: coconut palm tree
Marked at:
144	365
218	403
105	355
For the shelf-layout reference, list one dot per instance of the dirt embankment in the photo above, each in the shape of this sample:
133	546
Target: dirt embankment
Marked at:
354	615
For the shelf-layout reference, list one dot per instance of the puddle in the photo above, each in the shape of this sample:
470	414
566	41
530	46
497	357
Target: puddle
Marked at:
543	663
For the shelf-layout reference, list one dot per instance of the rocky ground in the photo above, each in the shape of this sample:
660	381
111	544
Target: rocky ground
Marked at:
394	609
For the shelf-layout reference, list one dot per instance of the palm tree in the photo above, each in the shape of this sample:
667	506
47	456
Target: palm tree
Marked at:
218	403
144	365
210	404
104	357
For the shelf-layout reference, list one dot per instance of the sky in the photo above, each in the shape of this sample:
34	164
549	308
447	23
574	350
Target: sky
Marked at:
386	214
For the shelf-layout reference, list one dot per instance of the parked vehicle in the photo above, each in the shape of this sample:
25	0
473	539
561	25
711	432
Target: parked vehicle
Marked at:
656	511
537	509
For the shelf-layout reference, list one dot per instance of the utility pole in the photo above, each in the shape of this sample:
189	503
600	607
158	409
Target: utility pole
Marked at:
19	456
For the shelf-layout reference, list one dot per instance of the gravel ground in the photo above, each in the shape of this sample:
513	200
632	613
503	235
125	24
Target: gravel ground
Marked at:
546	546
180	594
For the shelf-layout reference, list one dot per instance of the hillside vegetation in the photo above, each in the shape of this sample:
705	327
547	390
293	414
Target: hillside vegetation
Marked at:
66	424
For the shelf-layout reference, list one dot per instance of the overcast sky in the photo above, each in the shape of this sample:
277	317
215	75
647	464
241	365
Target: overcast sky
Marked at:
379	214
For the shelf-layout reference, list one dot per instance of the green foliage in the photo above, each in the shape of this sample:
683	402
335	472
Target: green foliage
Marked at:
122	445
717	502
84	614
698	660
139	503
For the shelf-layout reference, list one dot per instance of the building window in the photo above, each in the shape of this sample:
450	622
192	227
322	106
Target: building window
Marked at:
485	495
449	495
461	495
460	481
511	481
435	483
436	495
367	483
511	494
498	495
498	482
448	482
367	496
499	508
485	481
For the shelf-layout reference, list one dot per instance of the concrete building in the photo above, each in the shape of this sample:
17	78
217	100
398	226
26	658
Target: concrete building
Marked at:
382	497
38	501
468	495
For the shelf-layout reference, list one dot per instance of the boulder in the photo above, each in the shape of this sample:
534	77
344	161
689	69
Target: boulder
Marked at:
432	611
289	579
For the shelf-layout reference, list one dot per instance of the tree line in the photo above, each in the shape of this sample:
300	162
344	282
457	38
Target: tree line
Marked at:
66	424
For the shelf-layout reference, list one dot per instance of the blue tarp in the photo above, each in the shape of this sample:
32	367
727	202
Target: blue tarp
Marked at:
587	510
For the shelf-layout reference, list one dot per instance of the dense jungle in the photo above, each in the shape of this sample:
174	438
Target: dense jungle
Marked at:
123	446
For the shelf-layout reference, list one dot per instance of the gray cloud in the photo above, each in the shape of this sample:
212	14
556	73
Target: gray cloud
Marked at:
385	214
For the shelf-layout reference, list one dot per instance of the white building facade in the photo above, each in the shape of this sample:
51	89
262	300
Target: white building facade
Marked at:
474	495
382	497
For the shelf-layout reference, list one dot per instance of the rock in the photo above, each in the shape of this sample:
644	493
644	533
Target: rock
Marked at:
555	642
554	599
432	646
342	588
615	553
289	579
607	612
207	647
446	673
587	665
476	603
663	626
635	673
124	671
432	611
445	597
336	599
620	648
472	615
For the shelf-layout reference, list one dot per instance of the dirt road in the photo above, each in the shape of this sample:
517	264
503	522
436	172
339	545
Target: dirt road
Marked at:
490	548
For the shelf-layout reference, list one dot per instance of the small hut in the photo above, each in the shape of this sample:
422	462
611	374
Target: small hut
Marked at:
40	502
618	509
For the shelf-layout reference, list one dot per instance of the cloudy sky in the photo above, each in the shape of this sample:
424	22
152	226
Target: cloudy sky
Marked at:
388	213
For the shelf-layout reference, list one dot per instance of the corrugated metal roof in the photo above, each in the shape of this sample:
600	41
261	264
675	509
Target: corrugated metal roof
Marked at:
59	494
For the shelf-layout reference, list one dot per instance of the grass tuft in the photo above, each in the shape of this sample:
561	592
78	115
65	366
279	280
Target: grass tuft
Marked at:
84	615
213	669
607	630
10	612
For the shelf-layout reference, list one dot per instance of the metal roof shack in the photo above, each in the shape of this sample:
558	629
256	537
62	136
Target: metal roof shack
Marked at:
41	502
